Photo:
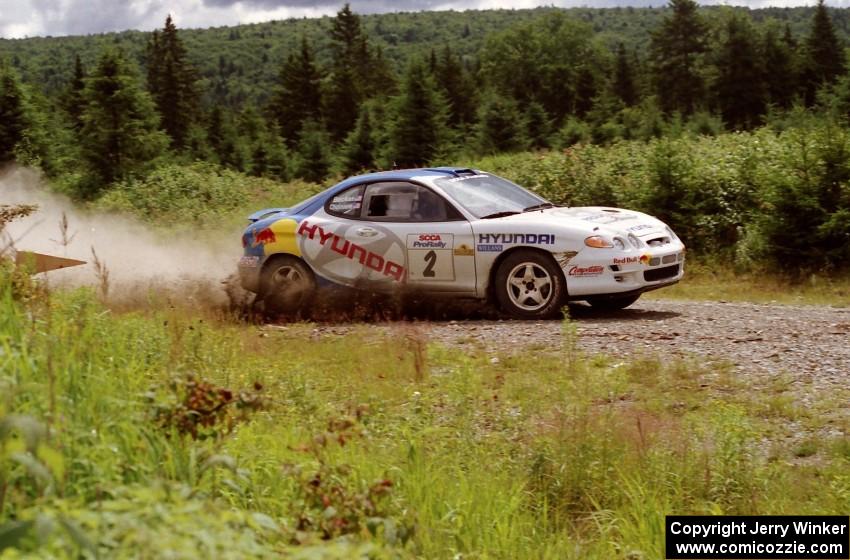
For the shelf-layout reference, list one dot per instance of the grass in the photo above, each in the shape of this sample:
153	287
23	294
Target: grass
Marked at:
713	282
371	445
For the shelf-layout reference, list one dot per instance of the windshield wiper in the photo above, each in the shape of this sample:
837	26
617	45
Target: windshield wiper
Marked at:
500	214
540	206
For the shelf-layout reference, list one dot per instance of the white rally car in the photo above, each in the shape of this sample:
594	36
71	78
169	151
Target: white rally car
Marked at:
456	232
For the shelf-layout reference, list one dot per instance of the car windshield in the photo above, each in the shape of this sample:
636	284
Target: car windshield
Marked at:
488	196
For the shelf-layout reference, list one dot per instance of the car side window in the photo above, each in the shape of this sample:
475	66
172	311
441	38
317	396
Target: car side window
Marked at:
348	203
405	202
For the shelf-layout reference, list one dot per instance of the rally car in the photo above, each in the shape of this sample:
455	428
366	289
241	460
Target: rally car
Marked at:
456	232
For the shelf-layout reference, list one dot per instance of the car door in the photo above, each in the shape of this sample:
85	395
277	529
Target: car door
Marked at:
342	248
437	240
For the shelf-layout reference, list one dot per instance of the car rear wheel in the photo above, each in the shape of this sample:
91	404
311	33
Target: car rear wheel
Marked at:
287	285
612	303
529	285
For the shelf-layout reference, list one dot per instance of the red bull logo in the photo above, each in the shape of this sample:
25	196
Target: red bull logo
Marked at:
262	237
644	259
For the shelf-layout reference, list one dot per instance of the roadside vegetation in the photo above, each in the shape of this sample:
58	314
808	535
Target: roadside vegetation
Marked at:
169	431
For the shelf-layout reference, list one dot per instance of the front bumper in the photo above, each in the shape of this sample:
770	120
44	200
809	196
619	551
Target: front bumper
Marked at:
599	272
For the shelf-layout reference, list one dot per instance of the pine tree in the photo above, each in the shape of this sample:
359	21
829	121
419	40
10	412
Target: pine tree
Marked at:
538	125
500	126
780	79
456	87
382	79
585	90
342	102
224	140
14	119
72	99
297	97
313	159
172	82
359	149
420	119
350	81
347	35
739	86
120	131
676	48
824	53
624	80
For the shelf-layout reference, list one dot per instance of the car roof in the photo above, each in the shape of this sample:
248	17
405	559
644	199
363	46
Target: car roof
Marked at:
408	174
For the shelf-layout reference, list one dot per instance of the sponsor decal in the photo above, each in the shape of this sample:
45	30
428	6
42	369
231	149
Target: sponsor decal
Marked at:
508	238
430	241
352	251
594	270
344	206
640	227
489	248
464	250
564	258
608	217
249	262
643	259
465	178
262	237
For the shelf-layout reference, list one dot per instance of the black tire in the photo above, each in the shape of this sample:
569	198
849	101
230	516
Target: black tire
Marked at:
287	285
530	285
612	303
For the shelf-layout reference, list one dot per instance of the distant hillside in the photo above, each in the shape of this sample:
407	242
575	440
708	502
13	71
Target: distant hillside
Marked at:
239	64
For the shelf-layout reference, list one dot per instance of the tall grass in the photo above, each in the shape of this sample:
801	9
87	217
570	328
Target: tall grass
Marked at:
373	445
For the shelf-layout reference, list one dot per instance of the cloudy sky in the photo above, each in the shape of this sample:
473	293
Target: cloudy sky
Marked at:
27	18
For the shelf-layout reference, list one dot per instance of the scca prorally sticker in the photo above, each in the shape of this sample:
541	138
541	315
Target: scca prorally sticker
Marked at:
594	270
430	241
516	238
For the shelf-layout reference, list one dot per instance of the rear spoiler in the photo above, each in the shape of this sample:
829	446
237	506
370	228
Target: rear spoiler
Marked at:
260	214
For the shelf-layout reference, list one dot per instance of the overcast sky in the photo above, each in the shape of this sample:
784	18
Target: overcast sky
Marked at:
28	18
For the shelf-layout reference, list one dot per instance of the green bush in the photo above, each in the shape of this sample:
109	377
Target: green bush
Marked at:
767	197
199	194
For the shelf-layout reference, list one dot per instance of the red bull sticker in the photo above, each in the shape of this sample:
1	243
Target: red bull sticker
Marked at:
262	237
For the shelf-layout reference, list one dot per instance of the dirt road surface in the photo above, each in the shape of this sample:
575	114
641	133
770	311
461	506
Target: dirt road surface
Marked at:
808	344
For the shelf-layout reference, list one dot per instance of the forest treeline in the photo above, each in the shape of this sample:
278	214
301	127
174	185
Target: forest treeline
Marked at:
342	101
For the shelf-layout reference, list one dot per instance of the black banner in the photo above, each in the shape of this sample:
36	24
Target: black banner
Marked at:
763	537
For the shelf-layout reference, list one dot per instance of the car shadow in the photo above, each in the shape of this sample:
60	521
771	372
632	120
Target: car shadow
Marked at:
344	306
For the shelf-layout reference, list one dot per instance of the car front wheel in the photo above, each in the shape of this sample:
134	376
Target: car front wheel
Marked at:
287	285
529	285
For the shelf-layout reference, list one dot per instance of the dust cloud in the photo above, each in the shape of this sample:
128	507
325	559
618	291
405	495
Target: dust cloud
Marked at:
142	264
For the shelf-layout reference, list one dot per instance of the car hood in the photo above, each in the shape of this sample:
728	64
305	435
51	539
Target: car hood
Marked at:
592	219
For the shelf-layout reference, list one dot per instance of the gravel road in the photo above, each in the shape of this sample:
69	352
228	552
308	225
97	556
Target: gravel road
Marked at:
811	344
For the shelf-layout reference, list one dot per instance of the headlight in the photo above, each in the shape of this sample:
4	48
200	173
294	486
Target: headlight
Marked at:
634	241
619	244
598	242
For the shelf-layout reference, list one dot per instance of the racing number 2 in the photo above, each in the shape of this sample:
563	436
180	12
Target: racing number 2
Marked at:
430	260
